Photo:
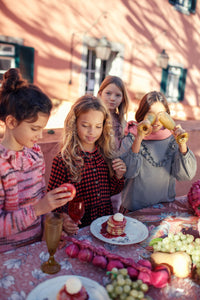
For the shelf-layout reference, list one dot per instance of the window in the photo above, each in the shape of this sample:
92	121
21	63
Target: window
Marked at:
94	70
173	83
24	60
184	6
17	56
90	71
7	49
7	61
5	64
103	71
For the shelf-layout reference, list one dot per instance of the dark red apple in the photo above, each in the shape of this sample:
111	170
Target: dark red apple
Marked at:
70	188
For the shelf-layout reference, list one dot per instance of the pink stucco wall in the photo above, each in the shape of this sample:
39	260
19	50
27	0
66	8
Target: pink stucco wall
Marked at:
47	25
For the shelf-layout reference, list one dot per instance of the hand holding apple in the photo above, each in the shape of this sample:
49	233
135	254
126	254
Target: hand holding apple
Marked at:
70	188
55	198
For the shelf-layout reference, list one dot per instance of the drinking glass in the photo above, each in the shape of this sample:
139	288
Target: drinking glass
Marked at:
145	126
76	209
52	231
166	120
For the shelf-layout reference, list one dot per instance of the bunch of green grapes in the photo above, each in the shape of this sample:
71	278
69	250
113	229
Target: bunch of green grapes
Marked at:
122	287
180	242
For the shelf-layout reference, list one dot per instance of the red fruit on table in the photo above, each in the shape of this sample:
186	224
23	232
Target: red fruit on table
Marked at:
70	188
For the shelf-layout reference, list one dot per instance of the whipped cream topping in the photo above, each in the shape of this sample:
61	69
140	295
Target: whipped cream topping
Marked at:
73	285
118	217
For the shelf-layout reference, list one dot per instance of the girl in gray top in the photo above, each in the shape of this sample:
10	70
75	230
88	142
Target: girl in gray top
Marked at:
154	159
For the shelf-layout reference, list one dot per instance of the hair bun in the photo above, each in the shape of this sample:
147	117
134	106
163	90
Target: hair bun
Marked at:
12	80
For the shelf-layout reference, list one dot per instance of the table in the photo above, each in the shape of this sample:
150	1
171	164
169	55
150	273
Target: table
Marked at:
20	269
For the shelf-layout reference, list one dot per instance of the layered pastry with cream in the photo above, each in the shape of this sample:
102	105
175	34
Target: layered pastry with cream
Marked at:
116	224
73	290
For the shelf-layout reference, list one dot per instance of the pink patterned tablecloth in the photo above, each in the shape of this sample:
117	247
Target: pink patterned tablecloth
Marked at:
20	269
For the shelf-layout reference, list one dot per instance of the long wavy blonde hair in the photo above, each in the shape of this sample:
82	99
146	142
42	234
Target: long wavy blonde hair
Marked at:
71	146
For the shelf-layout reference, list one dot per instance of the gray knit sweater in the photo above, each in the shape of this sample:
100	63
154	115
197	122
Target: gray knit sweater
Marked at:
152	173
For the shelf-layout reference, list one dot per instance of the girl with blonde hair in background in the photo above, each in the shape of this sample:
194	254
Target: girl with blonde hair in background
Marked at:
113	93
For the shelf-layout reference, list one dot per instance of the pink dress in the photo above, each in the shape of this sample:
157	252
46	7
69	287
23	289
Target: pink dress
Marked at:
22	184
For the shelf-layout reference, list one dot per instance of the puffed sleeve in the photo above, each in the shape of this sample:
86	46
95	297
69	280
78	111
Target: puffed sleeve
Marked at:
130	159
184	166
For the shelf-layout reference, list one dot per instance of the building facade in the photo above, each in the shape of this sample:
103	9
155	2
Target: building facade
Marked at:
55	43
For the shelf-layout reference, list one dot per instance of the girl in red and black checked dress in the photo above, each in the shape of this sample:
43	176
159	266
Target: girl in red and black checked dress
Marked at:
88	160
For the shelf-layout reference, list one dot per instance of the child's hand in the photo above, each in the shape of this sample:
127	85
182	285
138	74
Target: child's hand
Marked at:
69	226
52	200
178	130
119	167
144	128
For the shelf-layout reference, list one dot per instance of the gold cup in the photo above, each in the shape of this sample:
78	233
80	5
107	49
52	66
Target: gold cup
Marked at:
145	125
169	123
52	231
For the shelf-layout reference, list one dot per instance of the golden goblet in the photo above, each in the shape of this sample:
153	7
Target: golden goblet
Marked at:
169	123
52	231
145	125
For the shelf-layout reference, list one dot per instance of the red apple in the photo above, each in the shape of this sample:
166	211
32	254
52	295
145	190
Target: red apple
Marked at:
70	188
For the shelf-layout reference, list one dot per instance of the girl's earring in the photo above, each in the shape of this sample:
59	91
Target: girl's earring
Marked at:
117	110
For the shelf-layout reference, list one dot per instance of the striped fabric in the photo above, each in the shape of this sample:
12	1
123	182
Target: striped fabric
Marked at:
21	185
96	186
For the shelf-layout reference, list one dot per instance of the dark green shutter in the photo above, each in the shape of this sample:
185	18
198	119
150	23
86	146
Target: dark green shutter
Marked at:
181	84
193	6
24	60
163	84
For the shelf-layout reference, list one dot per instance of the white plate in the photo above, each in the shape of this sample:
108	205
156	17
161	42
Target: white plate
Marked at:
135	232
48	289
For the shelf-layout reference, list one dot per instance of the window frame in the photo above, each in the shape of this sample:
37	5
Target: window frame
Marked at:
90	70
96	67
25	65
12	64
7	53
113	66
164	86
182	8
